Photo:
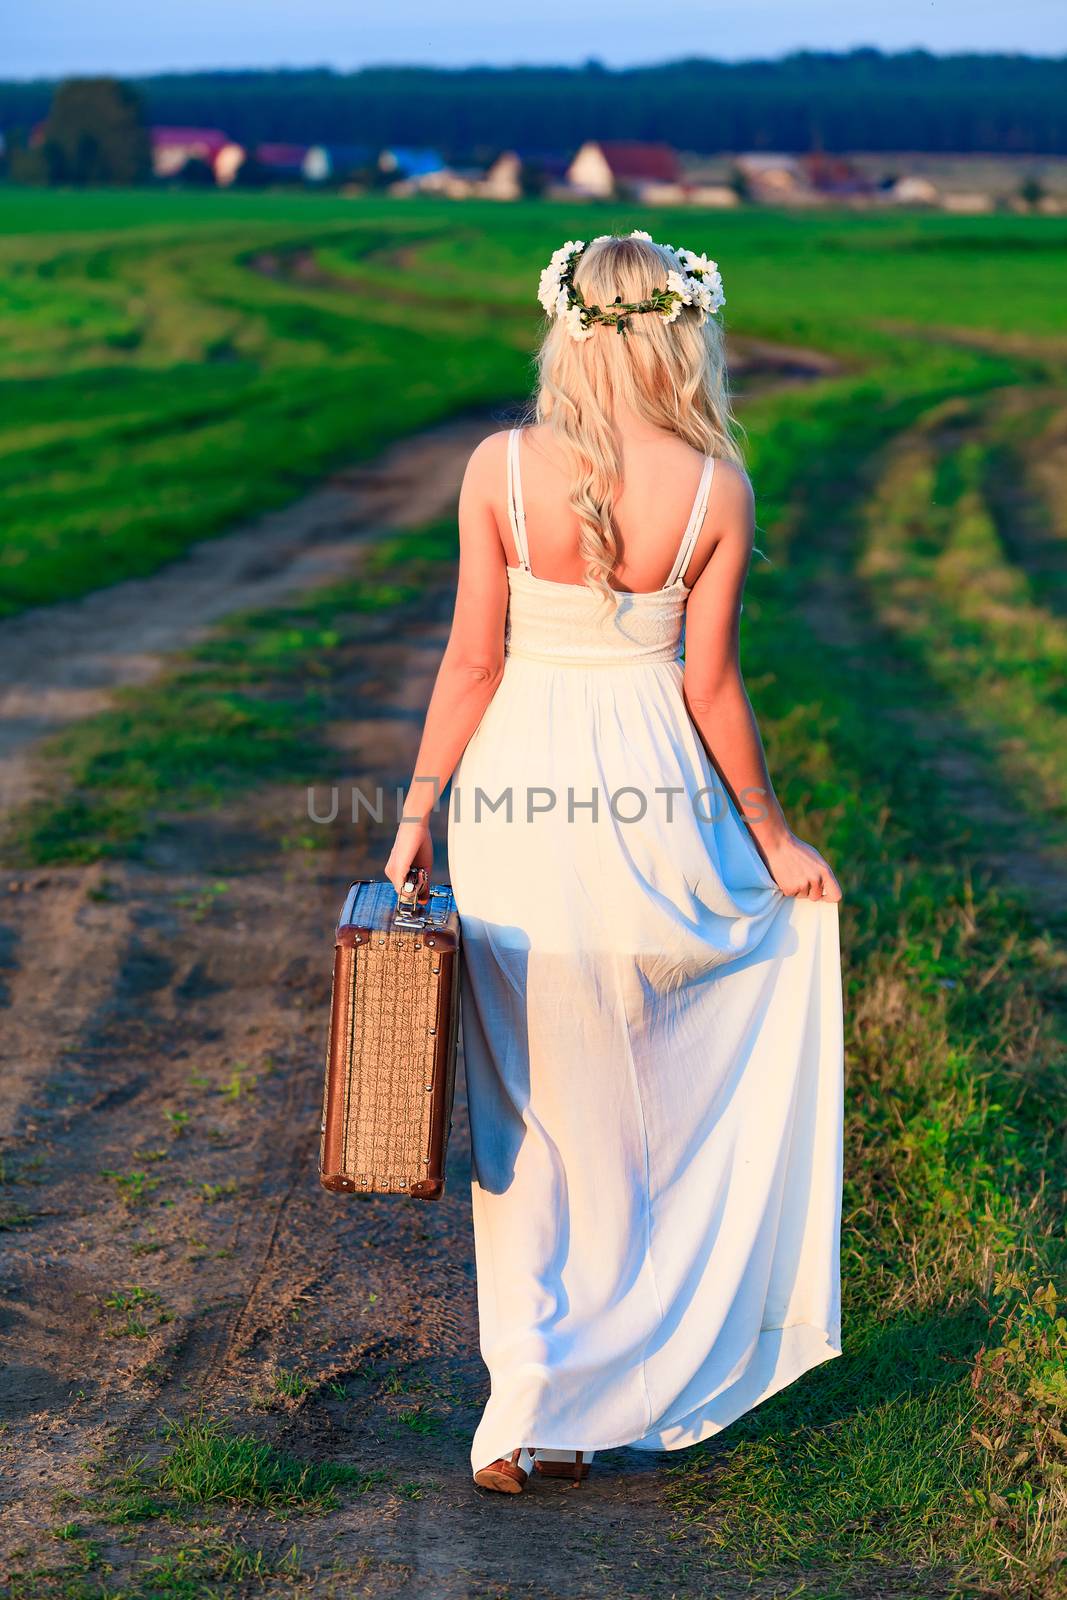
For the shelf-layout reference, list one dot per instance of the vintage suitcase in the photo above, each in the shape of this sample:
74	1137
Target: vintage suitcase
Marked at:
391	1057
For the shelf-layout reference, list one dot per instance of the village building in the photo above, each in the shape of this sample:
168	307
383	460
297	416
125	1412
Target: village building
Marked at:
834	177
503	177
334	163
914	190
650	173
968	202
712	196
405	162
518	172
454	183
174	148
285	161
774	179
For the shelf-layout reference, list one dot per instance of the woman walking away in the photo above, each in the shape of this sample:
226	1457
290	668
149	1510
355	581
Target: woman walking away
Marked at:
651	980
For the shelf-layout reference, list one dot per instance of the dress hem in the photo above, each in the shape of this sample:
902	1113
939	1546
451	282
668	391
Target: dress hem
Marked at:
797	1354
794	1364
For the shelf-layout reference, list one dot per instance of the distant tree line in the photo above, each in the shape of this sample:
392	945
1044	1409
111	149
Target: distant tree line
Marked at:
94	133
863	100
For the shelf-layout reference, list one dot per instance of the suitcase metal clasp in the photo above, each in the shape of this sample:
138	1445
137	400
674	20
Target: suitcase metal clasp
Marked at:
412	890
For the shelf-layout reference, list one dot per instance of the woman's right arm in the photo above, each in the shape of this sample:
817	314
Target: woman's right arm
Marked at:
472	665
718	702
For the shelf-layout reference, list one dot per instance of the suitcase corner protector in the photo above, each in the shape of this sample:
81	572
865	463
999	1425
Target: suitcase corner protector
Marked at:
337	1183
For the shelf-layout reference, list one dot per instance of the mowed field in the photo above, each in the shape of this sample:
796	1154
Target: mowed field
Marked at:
225	1382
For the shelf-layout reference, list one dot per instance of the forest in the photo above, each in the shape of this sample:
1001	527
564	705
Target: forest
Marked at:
864	100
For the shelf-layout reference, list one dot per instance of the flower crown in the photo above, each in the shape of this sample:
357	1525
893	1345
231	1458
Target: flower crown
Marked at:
698	283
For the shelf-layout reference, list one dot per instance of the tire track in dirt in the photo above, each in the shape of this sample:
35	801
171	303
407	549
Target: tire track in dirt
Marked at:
838	611
121	635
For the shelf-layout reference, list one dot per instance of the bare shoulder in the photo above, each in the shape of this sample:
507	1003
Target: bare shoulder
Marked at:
490	452
485	471
732	502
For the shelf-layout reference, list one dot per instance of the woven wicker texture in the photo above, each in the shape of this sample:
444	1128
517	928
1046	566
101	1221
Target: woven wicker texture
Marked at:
390	1047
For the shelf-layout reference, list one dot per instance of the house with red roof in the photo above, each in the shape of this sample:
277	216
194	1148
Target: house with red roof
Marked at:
604	168
174	148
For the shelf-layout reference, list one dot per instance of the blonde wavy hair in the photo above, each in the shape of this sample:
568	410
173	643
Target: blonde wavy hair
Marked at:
673	374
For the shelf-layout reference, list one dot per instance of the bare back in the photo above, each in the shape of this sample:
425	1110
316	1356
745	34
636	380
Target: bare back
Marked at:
661	478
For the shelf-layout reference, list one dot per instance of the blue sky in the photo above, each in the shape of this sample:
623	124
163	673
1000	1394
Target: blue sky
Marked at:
52	37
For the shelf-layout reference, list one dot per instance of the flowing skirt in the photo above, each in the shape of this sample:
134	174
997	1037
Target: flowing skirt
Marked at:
653	1045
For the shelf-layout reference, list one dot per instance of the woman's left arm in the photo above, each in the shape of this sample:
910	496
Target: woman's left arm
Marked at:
472	665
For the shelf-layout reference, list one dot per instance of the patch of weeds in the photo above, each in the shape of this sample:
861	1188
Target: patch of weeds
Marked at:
205	1465
103	893
201	902
213	1193
240	1084
415	1491
293	1385
183	1574
146	1247
69	1530
67	1582
127	1496
305	842
16	1217
411	1382
421	1421
179	1121
133	1187
137	1305
161	749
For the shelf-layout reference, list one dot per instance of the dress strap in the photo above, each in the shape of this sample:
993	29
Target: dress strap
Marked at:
516	509
694	525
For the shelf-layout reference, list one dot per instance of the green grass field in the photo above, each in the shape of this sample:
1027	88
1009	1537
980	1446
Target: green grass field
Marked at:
172	363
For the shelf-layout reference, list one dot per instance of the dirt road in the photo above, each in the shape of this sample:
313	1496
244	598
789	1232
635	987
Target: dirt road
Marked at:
167	1248
58	663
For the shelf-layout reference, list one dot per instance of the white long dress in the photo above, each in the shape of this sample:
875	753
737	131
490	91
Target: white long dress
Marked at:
653	1044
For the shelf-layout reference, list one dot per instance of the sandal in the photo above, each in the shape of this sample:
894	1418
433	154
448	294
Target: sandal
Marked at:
507	1474
577	1470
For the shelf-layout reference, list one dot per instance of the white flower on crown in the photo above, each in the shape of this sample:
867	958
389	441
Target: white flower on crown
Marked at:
549	288
572	319
694	263
697	284
702	299
681	286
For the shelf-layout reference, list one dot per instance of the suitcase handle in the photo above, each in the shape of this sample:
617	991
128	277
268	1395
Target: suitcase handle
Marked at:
414	888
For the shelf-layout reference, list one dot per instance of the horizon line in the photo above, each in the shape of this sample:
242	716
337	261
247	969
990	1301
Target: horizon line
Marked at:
588	63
